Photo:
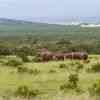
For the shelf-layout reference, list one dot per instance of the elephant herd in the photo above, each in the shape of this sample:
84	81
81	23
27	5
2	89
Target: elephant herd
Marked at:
47	55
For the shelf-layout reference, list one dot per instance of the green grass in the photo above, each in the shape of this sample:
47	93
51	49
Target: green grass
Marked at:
47	83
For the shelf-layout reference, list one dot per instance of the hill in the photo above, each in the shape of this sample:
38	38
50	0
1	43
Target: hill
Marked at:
10	27
62	37
19	27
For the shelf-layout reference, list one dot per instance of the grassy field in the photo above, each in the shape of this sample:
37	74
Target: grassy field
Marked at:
47	78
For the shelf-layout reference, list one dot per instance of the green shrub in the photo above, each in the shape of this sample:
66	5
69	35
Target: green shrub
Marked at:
37	59
63	66
24	57
73	79
25	92
35	71
94	90
22	91
72	82
79	66
13	63
87	61
52	71
66	86
72	63
22	69
94	68
26	70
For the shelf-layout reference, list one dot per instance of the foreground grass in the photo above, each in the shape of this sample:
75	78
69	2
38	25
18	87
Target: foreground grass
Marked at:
48	80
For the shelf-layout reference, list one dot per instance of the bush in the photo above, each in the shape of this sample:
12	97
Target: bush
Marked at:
72	82
25	92
23	57
73	79
22	69
37	59
94	68
52	71
94	90
79	66
26	70
62	66
35	71
72	63
87	61
13	63
66	86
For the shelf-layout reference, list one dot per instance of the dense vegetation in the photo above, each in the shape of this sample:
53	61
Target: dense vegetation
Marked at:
27	37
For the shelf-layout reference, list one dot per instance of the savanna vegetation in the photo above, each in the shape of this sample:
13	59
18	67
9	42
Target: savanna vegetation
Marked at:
53	80
29	37
23	78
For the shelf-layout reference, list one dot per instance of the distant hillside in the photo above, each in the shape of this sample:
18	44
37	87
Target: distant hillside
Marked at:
69	20
5	21
43	31
10	27
12	21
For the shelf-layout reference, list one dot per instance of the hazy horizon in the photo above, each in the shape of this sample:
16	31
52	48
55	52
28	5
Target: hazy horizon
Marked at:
48	10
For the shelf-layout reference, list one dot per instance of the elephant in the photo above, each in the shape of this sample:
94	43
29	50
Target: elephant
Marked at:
47	55
76	55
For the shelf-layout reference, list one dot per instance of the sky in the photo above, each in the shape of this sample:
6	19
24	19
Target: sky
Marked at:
57	9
